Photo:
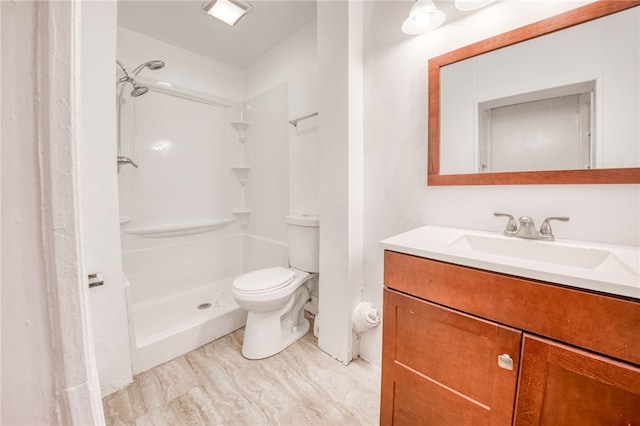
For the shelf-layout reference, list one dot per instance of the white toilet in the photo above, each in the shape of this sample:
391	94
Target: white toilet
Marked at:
275	297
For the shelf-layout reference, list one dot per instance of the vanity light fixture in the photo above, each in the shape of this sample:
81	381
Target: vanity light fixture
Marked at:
466	5
424	17
228	11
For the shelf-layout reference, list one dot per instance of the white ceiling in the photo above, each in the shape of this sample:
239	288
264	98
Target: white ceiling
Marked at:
185	24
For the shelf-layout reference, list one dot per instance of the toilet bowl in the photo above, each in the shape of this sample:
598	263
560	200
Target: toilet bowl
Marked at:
275	297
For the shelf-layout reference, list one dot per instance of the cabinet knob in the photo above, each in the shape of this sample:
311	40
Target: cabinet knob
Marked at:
505	361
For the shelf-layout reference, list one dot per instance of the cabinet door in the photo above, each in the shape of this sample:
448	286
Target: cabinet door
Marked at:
440	367
562	385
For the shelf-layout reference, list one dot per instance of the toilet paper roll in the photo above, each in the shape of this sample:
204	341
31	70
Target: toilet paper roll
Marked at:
365	317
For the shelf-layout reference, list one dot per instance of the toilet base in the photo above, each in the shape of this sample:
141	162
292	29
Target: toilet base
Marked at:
268	333
299	331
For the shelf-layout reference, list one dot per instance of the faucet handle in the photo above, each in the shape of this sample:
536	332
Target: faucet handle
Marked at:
511	228
546	233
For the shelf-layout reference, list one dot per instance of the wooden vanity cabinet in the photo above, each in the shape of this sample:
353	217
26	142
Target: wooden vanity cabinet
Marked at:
563	385
446	355
449	356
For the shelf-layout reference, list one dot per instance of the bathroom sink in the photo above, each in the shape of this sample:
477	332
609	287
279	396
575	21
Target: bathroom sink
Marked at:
604	268
553	252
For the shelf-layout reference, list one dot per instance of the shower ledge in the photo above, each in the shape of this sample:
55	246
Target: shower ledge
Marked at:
163	231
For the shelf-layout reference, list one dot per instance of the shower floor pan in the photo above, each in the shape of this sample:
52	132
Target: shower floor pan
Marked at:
172	326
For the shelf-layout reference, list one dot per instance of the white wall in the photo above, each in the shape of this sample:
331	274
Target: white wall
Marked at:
340	132
27	367
395	153
294	62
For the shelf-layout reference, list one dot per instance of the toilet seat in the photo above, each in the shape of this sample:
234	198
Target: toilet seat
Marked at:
264	280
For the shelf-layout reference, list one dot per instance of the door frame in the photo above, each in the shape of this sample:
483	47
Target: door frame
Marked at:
58	107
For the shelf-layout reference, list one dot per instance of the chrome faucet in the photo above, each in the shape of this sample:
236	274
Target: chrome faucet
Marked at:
528	229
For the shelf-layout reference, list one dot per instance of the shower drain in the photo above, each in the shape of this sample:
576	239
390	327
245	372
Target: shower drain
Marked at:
206	305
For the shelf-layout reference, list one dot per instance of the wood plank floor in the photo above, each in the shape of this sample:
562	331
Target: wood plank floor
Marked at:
215	385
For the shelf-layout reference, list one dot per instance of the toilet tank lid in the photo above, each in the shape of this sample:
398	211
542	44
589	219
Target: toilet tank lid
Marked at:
303	220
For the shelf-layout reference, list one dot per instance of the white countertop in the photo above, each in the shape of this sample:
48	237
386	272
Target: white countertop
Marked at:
604	268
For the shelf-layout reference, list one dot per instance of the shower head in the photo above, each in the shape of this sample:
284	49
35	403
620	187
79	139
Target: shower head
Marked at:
152	65
138	90
156	65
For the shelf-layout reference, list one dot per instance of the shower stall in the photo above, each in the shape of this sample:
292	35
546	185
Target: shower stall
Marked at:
183	214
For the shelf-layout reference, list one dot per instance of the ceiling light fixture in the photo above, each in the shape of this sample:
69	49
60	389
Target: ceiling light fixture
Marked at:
424	17
228	11
471	4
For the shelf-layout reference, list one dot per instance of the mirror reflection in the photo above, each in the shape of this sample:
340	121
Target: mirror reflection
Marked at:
567	100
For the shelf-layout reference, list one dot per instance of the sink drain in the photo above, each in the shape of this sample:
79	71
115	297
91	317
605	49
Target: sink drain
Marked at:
206	305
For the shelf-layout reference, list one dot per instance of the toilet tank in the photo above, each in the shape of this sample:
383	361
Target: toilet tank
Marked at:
303	233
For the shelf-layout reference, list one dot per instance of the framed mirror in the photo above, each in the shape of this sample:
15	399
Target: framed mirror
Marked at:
496	125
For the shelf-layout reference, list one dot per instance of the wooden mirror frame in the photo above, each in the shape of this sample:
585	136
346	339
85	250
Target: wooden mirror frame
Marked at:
573	17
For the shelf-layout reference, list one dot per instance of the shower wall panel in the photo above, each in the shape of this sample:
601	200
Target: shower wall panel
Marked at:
268	154
179	146
182	264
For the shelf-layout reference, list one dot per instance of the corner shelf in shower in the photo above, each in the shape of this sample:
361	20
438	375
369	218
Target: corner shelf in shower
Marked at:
241	127
242	173
164	231
242	215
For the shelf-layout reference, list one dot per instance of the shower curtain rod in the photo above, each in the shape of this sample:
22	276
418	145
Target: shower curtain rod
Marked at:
295	121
